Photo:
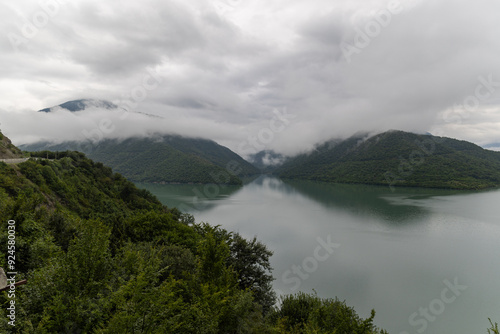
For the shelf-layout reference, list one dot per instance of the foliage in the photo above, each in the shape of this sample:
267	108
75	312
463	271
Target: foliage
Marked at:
171	159
102	256
306	313
7	149
250	259
400	159
494	328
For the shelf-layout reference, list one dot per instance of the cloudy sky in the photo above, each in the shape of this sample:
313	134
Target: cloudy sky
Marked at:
277	74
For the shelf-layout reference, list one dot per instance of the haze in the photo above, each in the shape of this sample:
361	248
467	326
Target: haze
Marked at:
223	69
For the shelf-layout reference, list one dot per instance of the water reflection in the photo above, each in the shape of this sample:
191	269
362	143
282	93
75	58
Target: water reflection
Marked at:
400	207
397	207
191	198
396	248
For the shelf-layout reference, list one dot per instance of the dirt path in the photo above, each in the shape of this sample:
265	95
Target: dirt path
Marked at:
14	161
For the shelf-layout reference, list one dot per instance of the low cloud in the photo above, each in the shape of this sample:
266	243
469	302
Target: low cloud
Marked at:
226	66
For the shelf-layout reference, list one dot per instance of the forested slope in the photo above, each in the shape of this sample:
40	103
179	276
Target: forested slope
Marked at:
398	158
102	256
171	159
7	149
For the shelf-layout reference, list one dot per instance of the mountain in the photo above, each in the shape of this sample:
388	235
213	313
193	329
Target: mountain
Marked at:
83	104
89	242
79	105
98	255
493	146
398	158
167	158
161	158
267	160
7	149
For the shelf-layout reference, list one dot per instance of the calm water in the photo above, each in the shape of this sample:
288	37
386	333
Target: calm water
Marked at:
426	260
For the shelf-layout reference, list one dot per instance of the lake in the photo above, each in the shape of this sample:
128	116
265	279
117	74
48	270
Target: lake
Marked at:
426	260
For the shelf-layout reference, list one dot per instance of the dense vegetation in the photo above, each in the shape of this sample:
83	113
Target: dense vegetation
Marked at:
399	158
172	159
7	149
102	256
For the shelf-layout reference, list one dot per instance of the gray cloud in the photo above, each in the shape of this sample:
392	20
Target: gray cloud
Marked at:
226	66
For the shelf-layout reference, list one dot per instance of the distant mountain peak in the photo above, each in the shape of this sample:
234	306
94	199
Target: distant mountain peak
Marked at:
79	105
267	160
83	104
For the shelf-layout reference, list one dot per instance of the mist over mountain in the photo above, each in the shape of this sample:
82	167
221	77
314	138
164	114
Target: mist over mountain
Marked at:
162	159
156	156
161	156
183	92
93	120
90	120
79	105
397	158
220	75
267	160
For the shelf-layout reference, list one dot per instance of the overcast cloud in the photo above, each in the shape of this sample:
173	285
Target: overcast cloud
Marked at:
225	69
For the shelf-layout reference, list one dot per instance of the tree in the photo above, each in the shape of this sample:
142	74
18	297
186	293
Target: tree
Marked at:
307	313
250	259
494	328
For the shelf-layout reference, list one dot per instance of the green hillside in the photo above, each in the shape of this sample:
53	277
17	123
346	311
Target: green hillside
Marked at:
7	149
399	158
101	256
171	159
